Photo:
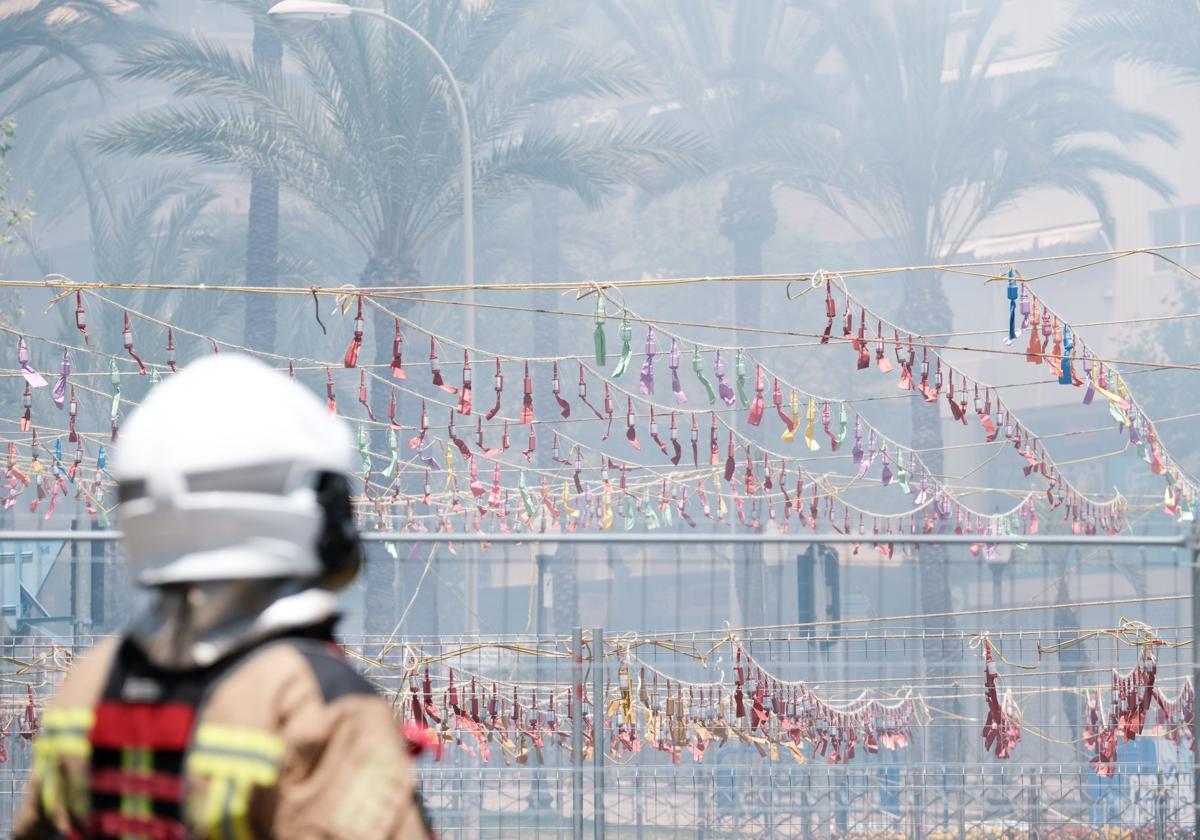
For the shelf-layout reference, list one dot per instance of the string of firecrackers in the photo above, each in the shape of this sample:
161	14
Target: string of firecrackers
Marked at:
1054	343
639	713
678	494
931	495
464	403
678	498
628	513
56	481
761	711
821	490
345	302
25	720
350	359
647	710
1082	514
351	356
678	717
930	384
1133	694
939	495
630	494
627	516
631	431
1123	717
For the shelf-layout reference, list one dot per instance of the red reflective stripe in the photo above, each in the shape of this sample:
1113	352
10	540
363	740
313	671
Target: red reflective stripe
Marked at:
110	823
164	726
162	786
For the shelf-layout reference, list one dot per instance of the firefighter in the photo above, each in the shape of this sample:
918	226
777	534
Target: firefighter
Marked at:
226	710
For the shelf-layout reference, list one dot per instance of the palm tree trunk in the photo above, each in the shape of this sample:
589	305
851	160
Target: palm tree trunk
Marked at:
926	312
747	220
262	224
382	583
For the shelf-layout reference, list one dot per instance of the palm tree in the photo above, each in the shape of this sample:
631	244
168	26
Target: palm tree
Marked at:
142	229
925	152
731	72
363	134
50	45
1163	34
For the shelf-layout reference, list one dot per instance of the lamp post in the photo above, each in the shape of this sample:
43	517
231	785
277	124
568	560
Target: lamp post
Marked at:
325	10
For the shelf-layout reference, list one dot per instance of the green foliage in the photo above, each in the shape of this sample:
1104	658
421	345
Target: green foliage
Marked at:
12	214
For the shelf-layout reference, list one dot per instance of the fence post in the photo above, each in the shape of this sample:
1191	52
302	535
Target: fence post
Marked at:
577	735
598	730
639	806
918	806
1194	546
1035	805
1160	808
961	799
806	807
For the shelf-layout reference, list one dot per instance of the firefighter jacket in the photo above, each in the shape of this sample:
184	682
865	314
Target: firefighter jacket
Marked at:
283	740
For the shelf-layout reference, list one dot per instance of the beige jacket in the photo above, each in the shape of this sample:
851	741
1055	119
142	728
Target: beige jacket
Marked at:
289	742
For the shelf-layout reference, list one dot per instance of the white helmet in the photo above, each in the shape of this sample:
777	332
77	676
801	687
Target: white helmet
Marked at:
226	471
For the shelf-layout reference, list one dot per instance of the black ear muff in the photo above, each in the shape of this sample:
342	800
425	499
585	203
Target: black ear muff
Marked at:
338	545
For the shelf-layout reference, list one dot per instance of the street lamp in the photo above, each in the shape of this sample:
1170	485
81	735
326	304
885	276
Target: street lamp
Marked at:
322	10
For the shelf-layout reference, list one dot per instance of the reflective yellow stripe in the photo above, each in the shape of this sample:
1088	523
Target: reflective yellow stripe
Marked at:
140	761
51	746
214	808
49	778
68	719
234	760
64	735
231	780
238	739
241	769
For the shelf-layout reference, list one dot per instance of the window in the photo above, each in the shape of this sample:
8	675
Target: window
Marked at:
1176	225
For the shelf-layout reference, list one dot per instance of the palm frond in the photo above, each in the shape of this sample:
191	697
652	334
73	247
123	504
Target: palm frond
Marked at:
928	157
1158	33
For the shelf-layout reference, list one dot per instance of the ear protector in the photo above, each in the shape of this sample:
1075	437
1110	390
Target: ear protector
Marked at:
339	546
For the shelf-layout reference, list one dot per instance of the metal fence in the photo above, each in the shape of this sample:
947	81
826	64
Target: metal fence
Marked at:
846	624
793	802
